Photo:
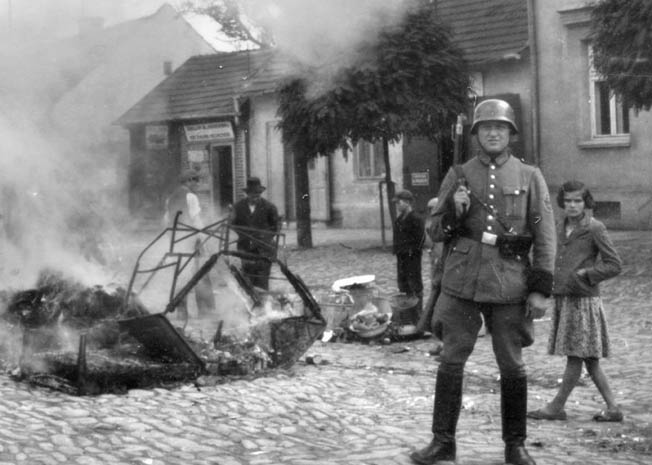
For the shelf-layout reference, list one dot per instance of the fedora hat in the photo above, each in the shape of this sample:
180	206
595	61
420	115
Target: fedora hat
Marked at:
254	186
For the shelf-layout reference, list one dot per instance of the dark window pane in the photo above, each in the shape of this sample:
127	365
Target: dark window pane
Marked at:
604	117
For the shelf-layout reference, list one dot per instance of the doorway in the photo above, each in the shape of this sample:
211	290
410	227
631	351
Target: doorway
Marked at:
222	174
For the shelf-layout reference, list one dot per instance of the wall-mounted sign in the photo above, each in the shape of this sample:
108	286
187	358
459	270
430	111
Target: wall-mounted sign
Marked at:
420	179
156	136
208	131
197	156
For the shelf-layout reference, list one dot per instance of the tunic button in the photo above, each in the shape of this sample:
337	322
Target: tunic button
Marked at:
492	176
491	196
489	228
493	167
491	186
490	218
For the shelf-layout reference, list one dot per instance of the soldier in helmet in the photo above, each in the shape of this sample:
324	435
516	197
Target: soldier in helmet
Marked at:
495	210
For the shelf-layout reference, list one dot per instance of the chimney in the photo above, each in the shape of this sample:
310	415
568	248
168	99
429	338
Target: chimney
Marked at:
89	25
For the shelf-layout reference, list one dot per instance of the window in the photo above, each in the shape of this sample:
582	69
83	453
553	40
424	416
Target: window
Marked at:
609	112
369	162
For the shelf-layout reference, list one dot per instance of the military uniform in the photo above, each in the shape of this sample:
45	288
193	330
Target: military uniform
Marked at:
502	249
516	201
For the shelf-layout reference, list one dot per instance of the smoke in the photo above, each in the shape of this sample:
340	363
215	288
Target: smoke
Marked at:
322	32
54	199
39	18
59	200
47	202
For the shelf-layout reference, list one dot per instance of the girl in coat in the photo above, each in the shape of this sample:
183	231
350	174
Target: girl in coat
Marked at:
579	328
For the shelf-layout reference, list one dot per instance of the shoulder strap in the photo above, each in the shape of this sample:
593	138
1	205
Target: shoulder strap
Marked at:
459	172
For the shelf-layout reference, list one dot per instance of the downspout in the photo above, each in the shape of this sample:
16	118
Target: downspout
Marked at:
534	88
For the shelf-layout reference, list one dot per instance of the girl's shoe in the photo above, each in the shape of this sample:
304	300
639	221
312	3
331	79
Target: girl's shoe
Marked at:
542	414
609	415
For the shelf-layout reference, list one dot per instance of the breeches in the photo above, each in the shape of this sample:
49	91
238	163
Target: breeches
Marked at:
461	321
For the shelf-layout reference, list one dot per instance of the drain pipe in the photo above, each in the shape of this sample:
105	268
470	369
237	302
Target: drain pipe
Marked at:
534	87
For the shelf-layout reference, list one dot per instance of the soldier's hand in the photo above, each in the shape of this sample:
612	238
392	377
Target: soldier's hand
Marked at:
462	201
536	305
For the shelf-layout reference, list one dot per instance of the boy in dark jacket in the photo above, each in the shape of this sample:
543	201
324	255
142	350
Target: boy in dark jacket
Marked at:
408	244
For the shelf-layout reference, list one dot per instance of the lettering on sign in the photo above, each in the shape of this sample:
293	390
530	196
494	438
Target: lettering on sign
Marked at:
156	136
209	131
420	179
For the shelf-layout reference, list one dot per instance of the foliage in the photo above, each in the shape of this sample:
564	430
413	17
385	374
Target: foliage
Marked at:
621	33
318	125
410	82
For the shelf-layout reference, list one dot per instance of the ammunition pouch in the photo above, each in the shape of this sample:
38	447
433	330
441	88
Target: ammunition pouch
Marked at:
514	245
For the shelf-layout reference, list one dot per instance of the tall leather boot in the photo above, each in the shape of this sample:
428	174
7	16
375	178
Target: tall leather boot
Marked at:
448	402
513	408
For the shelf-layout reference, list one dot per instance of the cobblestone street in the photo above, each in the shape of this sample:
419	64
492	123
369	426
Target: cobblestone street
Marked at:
364	404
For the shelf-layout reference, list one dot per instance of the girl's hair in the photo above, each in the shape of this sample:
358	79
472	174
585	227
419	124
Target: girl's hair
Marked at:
575	186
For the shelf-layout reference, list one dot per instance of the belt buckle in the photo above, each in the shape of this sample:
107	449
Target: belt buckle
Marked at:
489	238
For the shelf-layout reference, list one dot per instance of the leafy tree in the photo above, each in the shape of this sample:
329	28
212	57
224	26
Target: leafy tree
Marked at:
412	81
621	33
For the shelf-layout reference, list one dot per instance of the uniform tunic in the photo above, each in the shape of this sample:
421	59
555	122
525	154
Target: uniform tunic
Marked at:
514	194
506	196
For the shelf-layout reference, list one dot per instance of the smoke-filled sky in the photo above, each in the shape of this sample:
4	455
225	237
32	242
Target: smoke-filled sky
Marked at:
294	22
59	17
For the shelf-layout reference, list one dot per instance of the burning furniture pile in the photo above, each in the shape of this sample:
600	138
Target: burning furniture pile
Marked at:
94	340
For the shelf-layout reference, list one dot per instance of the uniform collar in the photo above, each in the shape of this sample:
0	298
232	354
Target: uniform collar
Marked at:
500	159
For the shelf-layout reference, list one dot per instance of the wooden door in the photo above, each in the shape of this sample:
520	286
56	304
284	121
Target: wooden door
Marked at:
222	173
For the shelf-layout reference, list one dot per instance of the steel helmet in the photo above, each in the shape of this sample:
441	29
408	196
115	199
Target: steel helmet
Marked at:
494	110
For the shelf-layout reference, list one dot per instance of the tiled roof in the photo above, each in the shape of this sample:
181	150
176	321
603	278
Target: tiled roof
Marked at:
487	30
205	86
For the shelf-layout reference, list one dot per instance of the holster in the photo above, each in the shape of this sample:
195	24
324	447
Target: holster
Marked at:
513	245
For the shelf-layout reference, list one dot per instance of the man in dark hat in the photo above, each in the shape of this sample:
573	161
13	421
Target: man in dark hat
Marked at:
257	223
408	245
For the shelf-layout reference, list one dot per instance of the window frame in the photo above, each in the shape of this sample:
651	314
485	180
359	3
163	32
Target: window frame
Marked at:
614	102
375	150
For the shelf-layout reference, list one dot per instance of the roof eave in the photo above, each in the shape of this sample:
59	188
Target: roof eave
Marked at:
126	122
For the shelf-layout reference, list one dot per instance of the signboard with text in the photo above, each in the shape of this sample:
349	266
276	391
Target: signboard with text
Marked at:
420	179
156	136
209	131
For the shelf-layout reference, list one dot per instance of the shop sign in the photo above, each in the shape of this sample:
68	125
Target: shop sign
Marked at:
156	136
420	179
209	131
